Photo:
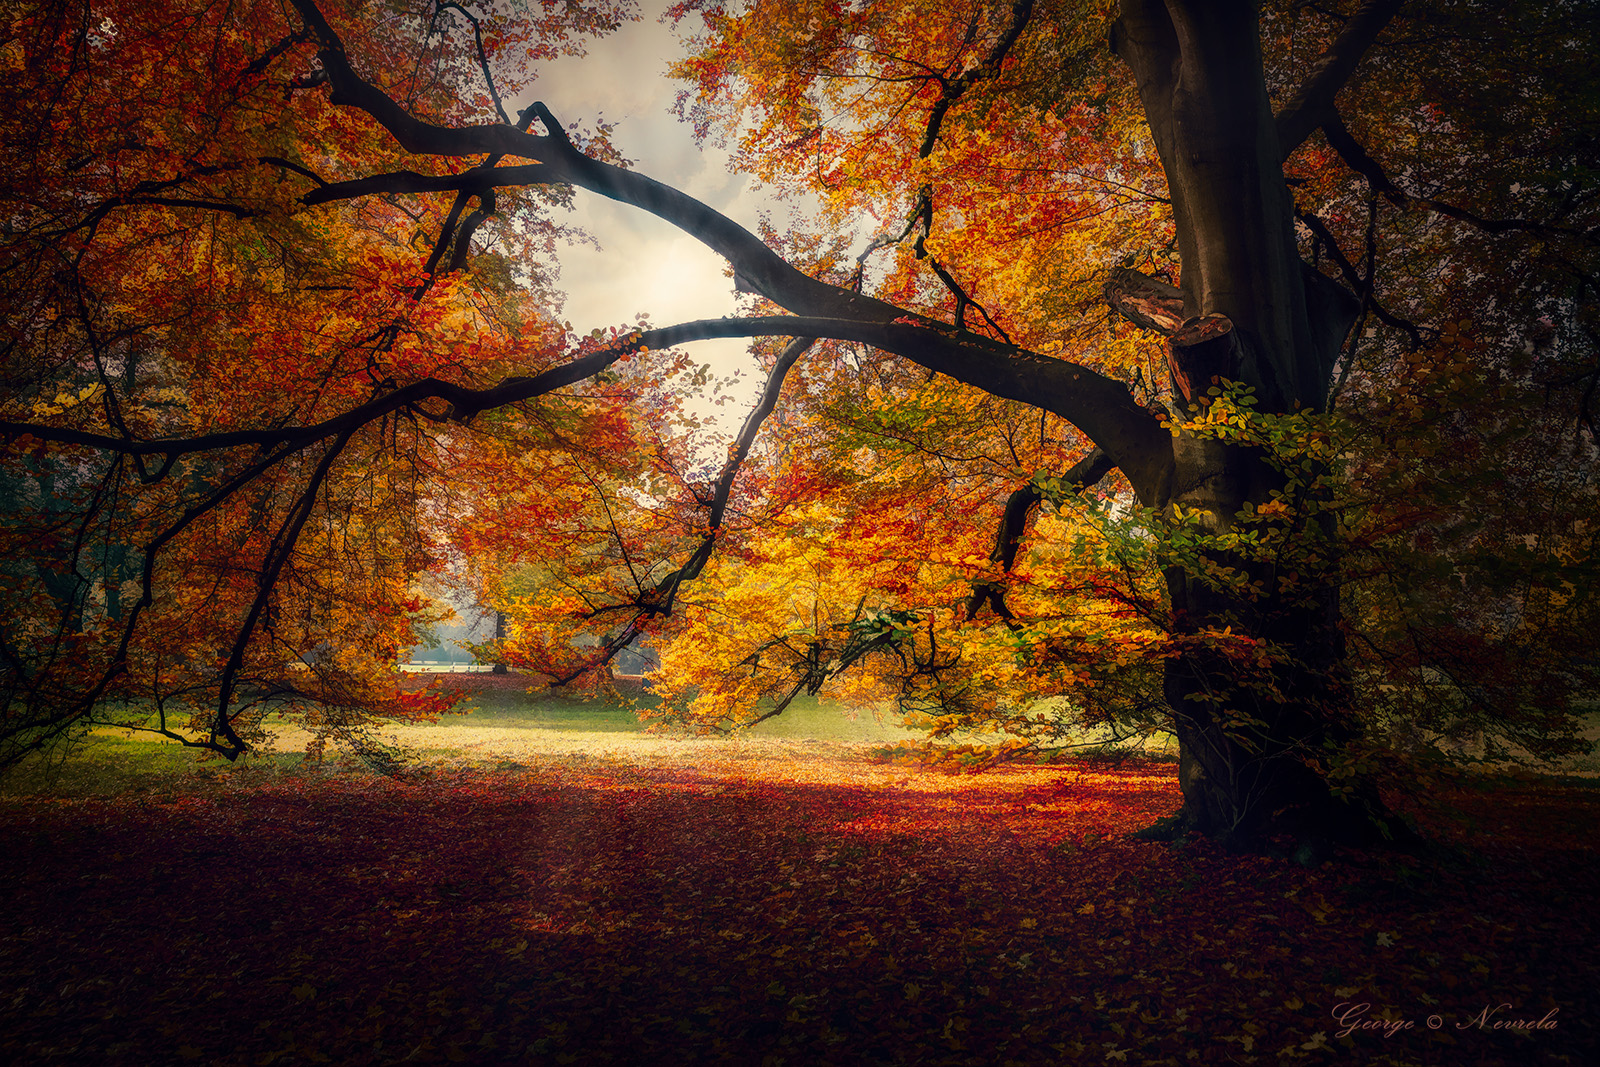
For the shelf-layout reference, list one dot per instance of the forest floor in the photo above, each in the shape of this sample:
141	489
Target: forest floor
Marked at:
790	902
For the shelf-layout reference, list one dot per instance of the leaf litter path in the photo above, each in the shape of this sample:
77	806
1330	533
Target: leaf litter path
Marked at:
821	910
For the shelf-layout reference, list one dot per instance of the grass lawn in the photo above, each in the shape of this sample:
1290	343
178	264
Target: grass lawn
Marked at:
499	723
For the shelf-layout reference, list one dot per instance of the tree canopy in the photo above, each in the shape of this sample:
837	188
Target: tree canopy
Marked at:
1215	368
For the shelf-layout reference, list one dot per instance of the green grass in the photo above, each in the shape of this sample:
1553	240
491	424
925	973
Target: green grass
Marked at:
814	719
111	761
114	761
489	724
509	708
806	719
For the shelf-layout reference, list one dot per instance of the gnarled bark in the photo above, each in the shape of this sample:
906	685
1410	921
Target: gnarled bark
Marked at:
1253	741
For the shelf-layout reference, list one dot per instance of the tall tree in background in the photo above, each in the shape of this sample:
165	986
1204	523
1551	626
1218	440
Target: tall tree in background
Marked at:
275	322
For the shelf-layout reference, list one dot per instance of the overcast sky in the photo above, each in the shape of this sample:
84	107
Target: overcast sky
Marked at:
644	264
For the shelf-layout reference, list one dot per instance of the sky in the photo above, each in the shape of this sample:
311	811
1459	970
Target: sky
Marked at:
644	264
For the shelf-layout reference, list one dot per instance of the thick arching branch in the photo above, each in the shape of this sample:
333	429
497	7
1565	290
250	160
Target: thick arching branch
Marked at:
1099	406
476	181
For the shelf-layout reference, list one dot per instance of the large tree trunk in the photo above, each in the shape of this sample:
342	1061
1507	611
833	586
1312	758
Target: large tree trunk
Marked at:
1253	737
1259	694
1260	708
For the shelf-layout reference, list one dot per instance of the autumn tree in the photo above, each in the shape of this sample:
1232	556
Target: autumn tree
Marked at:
996	142
298	317
163	284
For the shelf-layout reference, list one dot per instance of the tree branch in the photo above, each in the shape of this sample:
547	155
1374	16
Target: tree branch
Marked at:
1099	406
1013	523
661	599
922	211
464	403
267	58
964	300
288	164
146	192
281	549
483	57
1359	160
474	182
1074	392
667	590
1021	12
1353	278
1311	105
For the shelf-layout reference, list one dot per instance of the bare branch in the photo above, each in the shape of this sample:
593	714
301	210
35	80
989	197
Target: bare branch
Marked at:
483	56
1013	523
953	90
1312	103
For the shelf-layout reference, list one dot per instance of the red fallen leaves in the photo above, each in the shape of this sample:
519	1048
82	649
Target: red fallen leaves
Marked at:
427	703
811	911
